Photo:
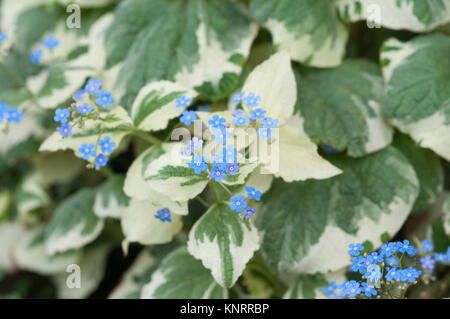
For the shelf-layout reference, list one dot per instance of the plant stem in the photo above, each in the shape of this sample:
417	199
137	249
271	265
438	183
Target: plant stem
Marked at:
204	203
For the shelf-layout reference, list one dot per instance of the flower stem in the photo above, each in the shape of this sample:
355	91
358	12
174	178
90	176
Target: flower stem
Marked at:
203	202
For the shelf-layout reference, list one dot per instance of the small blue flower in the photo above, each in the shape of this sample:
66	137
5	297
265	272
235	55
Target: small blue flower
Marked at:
237	97
392	261
368	261
368	290
376	258
410	274
217	121
351	289
93	86
65	130
183	101
248	213
427	246
328	149
220	134
87	150
79	94
427	263
101	160
3	37
188	117
107	145
355	249
3	110
251	100
253	193
264	133
163	215
61	115
196	143
392	274
373	273
241	120
198	164
388	249
51	42
405	247
35	56
104	99
230	154
14	115
358	264
331	290
218	172
439	257
236	113
232	168
84	109
269	122
258	114
238	203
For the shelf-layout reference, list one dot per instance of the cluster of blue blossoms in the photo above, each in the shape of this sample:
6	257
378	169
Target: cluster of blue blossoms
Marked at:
49	42
240	205
10	115
163	215
78	114
387	270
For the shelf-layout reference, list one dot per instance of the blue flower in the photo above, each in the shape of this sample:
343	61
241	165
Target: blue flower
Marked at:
93	86
368	261
405	247
388	249
251	100
84	109
368	290
358	264
232	168
198	164
373	273
65	130
427	263
393	274
328	149
101	160
3	110
3	37
241	120
410	274
269	122
79	94
104	99
51	42
218	172
237	97
376	258
392	261
248	213
183	101
87	150
107	145
163	215
253	193
196	143
427	246
264	133
258	114
14	115
230	154
236	113
331	290
439	257
220	134
61	115
351	289
188	117
35	56
217	121
355	249
238	203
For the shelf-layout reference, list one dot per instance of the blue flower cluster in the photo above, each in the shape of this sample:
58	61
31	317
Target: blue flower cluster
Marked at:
90	150
50	43
388	269
240	205
10	115
163	215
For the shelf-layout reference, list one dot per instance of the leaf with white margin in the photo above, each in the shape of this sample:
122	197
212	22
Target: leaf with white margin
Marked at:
341	107
181	276
414	15
274	81
31	255
10	235
190	42
30	196
170	175
223	242
139	224
136	187
73	223
110	199
309	30
417	97
115	126
315	221
155	104
92	264
310	286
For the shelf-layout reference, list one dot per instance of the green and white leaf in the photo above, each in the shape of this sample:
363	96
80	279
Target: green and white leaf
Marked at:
139	224
30	254
193	43
10	235
413	15
155	104
110	199
316	220
181	276
51	168
341	107
309	30
136	187
417	97
73	223
223	242
115	127
30	196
